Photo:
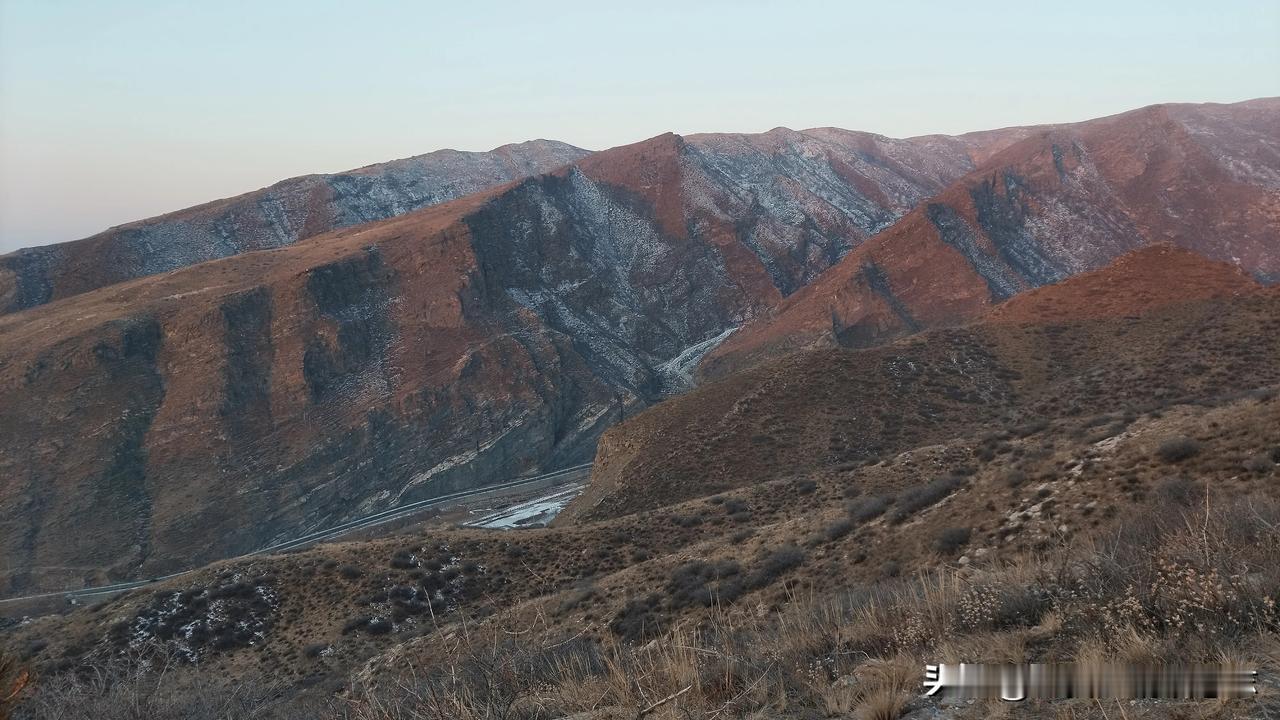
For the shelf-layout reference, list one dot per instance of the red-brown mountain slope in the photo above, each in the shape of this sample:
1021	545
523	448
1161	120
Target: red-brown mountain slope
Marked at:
1136	283
1054	354
1061	201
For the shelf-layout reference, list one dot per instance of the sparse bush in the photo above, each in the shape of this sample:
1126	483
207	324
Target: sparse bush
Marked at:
638	619
1015	478
866	509
695	584
1032	427
687	521
918	498
350	572
951	539
1178	449
34	647
1179	491
838	529
574	599
1259	464
403	560
775	564
355	623
1001	607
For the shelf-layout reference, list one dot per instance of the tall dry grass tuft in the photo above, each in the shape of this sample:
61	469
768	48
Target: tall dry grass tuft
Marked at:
146	685
14	680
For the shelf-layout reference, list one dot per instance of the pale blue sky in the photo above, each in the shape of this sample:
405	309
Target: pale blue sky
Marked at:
114	111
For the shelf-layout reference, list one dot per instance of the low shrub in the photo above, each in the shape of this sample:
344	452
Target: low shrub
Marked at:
951	540
1179	490
1178	449
574	599
838	529
866	509
686	521
355	623
638	619
1031	428
921	497
775	564
701	583
1259	464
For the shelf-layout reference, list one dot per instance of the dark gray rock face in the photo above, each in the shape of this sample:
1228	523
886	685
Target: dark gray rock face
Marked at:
955	231
802	200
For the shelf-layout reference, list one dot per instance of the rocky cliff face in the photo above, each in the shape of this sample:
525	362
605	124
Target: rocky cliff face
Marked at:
280	215
181	417
1060	201
1139	333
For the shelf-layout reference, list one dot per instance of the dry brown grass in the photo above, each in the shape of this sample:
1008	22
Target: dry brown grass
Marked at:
853	652
14	680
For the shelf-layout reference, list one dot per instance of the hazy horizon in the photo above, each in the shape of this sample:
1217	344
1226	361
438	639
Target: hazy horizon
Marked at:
113	114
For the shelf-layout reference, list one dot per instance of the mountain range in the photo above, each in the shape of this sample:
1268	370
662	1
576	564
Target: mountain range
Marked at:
200	384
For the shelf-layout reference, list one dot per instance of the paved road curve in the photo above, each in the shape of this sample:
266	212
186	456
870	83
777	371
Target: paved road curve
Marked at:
378	518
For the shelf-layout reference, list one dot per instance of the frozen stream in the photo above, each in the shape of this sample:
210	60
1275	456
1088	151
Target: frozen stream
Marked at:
535	511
